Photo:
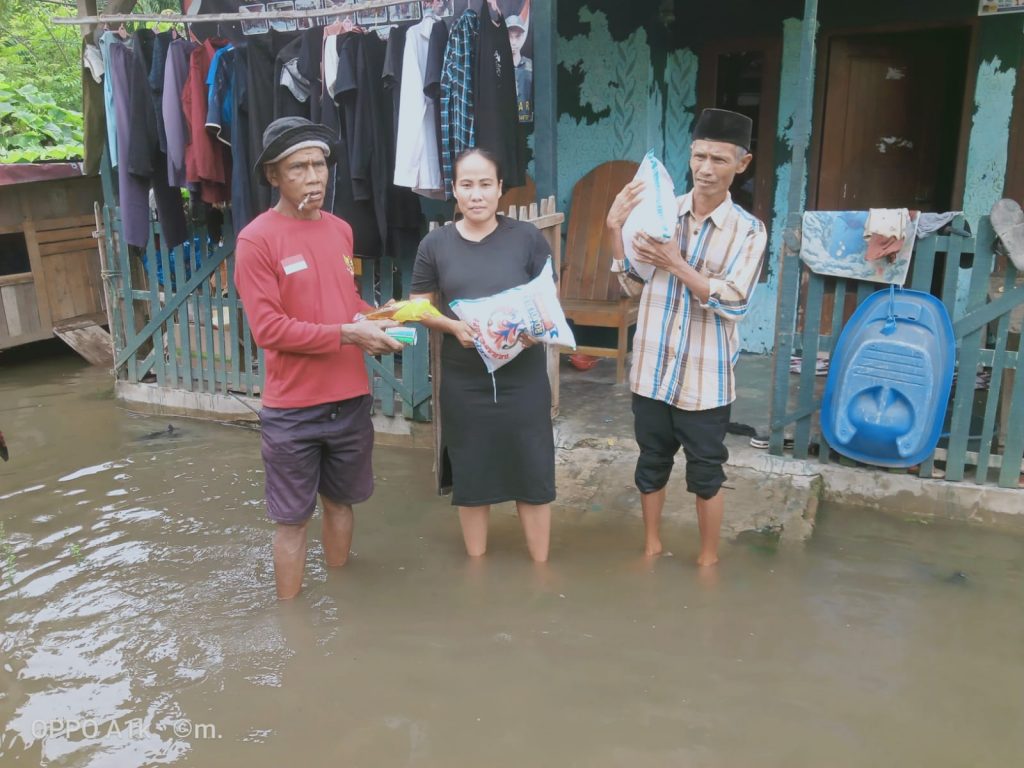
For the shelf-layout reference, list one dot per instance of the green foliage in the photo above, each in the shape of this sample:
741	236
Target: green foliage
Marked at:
34	127
41	79
34	50
40	83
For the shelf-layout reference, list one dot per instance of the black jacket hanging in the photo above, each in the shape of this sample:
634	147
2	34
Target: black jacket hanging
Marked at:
496	106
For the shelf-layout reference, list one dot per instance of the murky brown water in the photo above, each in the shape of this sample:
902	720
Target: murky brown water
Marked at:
139	604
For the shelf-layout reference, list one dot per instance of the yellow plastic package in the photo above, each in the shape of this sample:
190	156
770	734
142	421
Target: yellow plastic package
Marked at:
408	311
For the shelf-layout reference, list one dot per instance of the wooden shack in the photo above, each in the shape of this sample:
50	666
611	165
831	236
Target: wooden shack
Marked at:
50	276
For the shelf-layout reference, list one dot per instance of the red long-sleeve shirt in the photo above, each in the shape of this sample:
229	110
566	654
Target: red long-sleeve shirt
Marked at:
296	281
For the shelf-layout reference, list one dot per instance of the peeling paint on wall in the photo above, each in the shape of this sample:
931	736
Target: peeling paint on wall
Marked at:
893	142
680	112
987	152
757	330
617	110
990	136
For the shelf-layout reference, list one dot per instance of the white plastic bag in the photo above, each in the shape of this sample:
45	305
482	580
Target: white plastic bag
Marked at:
500	321
656	214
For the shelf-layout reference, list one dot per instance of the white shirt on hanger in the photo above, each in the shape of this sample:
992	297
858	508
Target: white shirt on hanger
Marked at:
331	61
417	164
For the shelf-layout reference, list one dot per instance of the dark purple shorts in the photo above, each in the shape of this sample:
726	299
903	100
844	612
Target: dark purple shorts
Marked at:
324	449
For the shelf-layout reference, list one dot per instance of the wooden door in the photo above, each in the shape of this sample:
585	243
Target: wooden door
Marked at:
891	121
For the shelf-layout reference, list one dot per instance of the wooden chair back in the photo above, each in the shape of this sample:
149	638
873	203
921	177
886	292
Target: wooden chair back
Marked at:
588	250
518	196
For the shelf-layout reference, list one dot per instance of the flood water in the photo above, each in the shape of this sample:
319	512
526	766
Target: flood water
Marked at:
139	625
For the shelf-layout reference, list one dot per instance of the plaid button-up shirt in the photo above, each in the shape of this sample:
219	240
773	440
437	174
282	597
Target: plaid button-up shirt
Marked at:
684	351
457	93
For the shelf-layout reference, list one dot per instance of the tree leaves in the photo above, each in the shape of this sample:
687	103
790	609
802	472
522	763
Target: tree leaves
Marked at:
40	84
34	127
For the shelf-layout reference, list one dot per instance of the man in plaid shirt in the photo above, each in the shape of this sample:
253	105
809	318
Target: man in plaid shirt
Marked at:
687	340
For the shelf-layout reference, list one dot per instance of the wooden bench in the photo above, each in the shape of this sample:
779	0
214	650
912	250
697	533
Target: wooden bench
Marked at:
590	293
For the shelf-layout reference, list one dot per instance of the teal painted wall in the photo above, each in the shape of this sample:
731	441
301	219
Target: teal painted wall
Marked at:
616	108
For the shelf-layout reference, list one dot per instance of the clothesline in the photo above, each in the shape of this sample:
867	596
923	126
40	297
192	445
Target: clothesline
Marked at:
213	18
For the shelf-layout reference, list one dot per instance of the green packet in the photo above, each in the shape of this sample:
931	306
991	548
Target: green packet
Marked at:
402	334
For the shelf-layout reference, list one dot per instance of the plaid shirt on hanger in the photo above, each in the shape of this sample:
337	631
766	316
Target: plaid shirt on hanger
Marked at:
457	93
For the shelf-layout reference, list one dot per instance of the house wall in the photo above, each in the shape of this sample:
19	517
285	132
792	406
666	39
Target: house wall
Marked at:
627	82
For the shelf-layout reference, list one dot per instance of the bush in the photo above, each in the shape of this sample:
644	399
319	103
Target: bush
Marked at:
34	127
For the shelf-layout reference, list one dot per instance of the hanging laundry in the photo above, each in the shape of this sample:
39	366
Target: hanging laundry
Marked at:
262	50
156	84
886	232
205	162
436	48
310	67
394	63
143	158
133	189
241	158
106	39
341	198
133	192
457	107
417	163
291	88
495	103
330	59
220	95
360	87
930	223
93	112
175	126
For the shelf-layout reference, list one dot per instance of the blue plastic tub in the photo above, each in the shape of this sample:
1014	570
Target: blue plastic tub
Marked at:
889	380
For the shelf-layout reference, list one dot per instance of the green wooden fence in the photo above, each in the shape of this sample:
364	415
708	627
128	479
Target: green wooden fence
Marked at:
983	438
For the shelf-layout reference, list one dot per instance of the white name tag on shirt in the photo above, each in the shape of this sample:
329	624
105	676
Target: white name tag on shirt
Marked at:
294	264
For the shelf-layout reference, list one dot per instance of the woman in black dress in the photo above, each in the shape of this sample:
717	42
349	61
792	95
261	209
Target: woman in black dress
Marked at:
496	431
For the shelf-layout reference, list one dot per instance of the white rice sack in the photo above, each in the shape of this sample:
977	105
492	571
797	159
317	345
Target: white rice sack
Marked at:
655	214
500	321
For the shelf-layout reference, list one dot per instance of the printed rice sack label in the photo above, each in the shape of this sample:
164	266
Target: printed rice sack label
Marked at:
501	321
656	213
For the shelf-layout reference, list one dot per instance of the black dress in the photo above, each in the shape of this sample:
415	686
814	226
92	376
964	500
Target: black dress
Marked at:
496	433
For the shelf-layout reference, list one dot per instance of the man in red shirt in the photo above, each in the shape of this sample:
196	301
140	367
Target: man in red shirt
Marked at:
295	275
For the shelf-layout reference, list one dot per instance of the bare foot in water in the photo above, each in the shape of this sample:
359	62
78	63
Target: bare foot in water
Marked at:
707	560
653	549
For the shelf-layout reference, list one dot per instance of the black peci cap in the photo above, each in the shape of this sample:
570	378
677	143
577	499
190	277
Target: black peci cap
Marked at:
723	125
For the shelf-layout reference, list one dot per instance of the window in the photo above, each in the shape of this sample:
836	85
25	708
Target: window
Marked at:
13	255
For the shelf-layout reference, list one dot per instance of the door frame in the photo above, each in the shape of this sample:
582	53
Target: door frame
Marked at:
821	75
707	79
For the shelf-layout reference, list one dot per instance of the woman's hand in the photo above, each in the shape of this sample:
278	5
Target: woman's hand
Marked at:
527	341
463	332
627	199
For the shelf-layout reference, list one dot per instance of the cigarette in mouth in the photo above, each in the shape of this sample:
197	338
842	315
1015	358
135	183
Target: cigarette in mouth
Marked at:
305	200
